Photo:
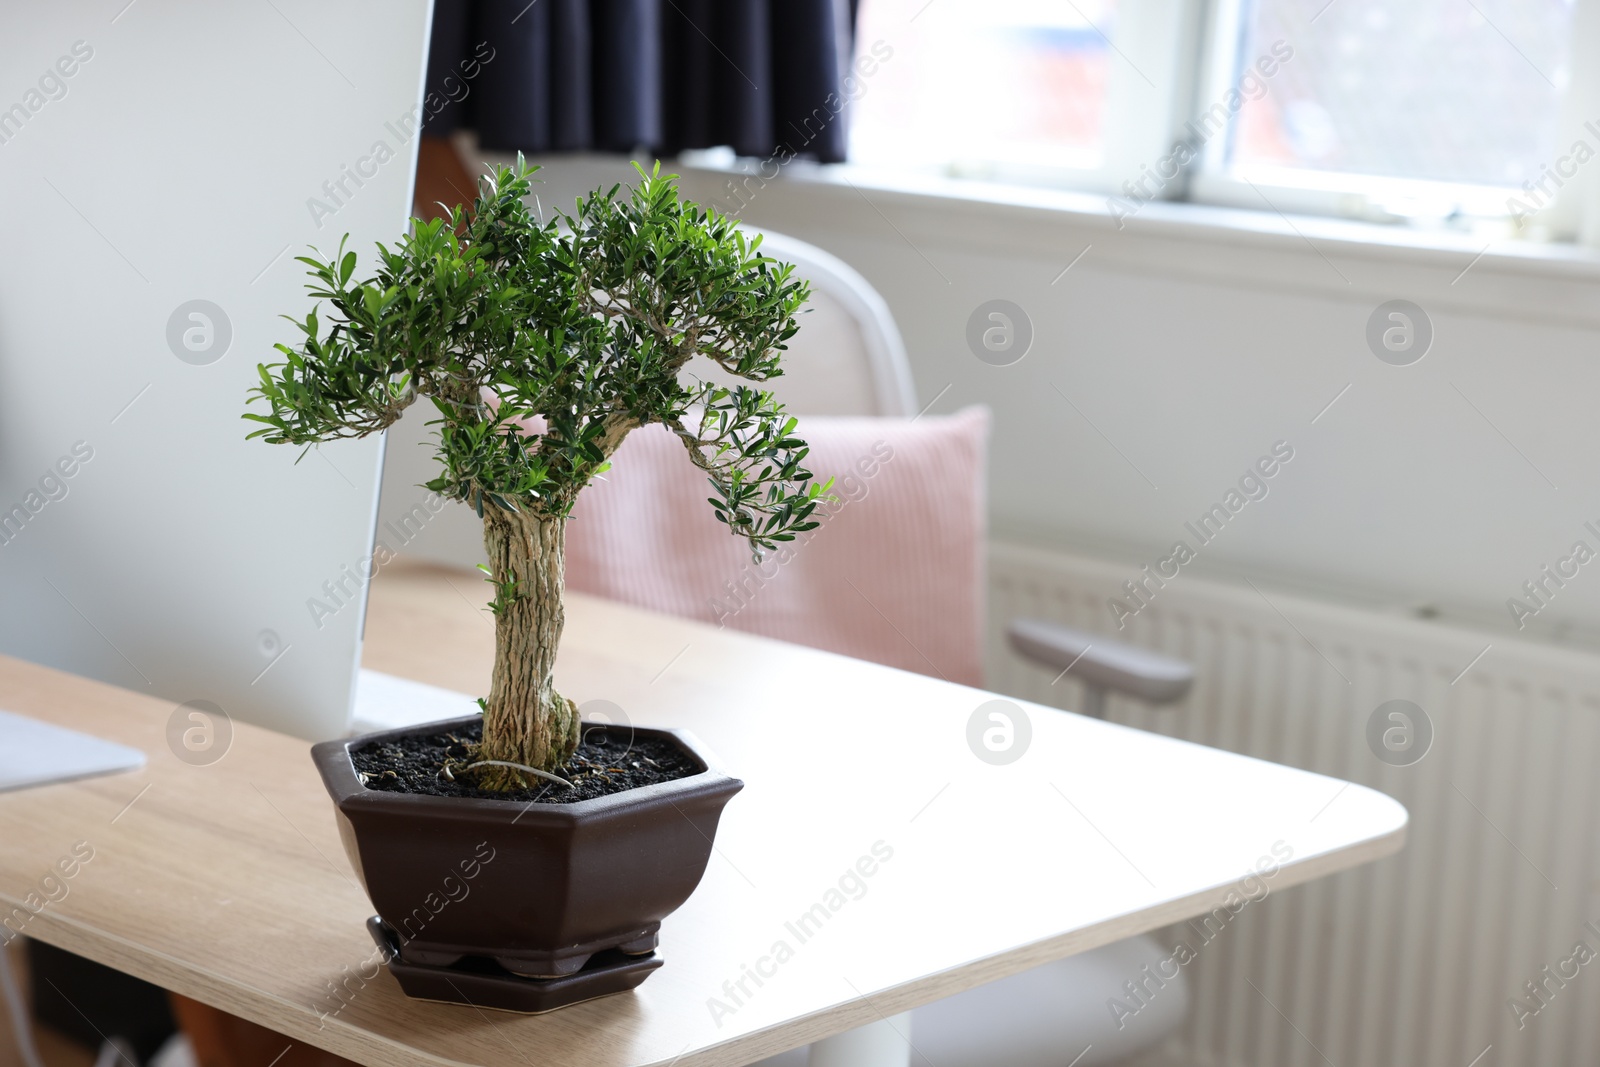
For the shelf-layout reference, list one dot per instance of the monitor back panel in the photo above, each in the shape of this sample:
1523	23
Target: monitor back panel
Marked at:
161	165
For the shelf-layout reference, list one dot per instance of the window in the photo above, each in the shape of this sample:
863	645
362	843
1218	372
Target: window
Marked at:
978	86
1458	113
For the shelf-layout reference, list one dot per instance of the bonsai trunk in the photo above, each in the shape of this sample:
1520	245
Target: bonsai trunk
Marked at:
526	720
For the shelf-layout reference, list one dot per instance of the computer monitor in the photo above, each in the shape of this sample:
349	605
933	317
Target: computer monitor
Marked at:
162	162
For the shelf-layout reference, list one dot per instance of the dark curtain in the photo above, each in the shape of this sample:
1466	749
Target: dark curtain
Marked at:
760	76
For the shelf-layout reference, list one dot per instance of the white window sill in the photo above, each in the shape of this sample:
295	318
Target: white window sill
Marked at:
986	202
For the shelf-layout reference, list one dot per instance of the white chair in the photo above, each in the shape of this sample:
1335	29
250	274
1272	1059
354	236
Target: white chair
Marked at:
850	359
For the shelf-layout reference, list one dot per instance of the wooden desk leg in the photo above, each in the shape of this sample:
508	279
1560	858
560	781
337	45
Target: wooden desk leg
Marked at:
880	1044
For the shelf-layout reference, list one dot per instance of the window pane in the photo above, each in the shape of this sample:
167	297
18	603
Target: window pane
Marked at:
979	81
1447	90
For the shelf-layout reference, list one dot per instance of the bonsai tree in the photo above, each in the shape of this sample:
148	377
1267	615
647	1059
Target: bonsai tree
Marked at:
541	344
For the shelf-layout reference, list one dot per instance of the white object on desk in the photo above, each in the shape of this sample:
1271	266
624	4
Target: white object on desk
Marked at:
384	702
34	753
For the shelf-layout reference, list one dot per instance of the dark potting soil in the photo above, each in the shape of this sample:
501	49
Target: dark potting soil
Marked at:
608	760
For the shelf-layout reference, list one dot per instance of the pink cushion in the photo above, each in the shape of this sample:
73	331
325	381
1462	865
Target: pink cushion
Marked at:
894	573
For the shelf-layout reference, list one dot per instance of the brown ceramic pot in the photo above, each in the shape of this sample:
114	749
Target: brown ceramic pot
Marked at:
538	888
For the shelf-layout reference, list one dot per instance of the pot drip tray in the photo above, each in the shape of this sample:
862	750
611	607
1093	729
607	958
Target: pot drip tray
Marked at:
483	983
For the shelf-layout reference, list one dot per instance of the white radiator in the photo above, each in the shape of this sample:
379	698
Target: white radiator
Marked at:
1414	961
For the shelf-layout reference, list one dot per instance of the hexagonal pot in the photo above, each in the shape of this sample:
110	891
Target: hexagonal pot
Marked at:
537	888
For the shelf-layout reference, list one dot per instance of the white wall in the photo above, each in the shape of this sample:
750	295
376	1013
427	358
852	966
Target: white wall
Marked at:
1194	339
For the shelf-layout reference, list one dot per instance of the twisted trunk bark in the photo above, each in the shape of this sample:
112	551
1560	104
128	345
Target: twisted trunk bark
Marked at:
526	720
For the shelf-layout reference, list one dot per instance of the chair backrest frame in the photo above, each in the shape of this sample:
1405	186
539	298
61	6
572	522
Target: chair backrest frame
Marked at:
890	371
